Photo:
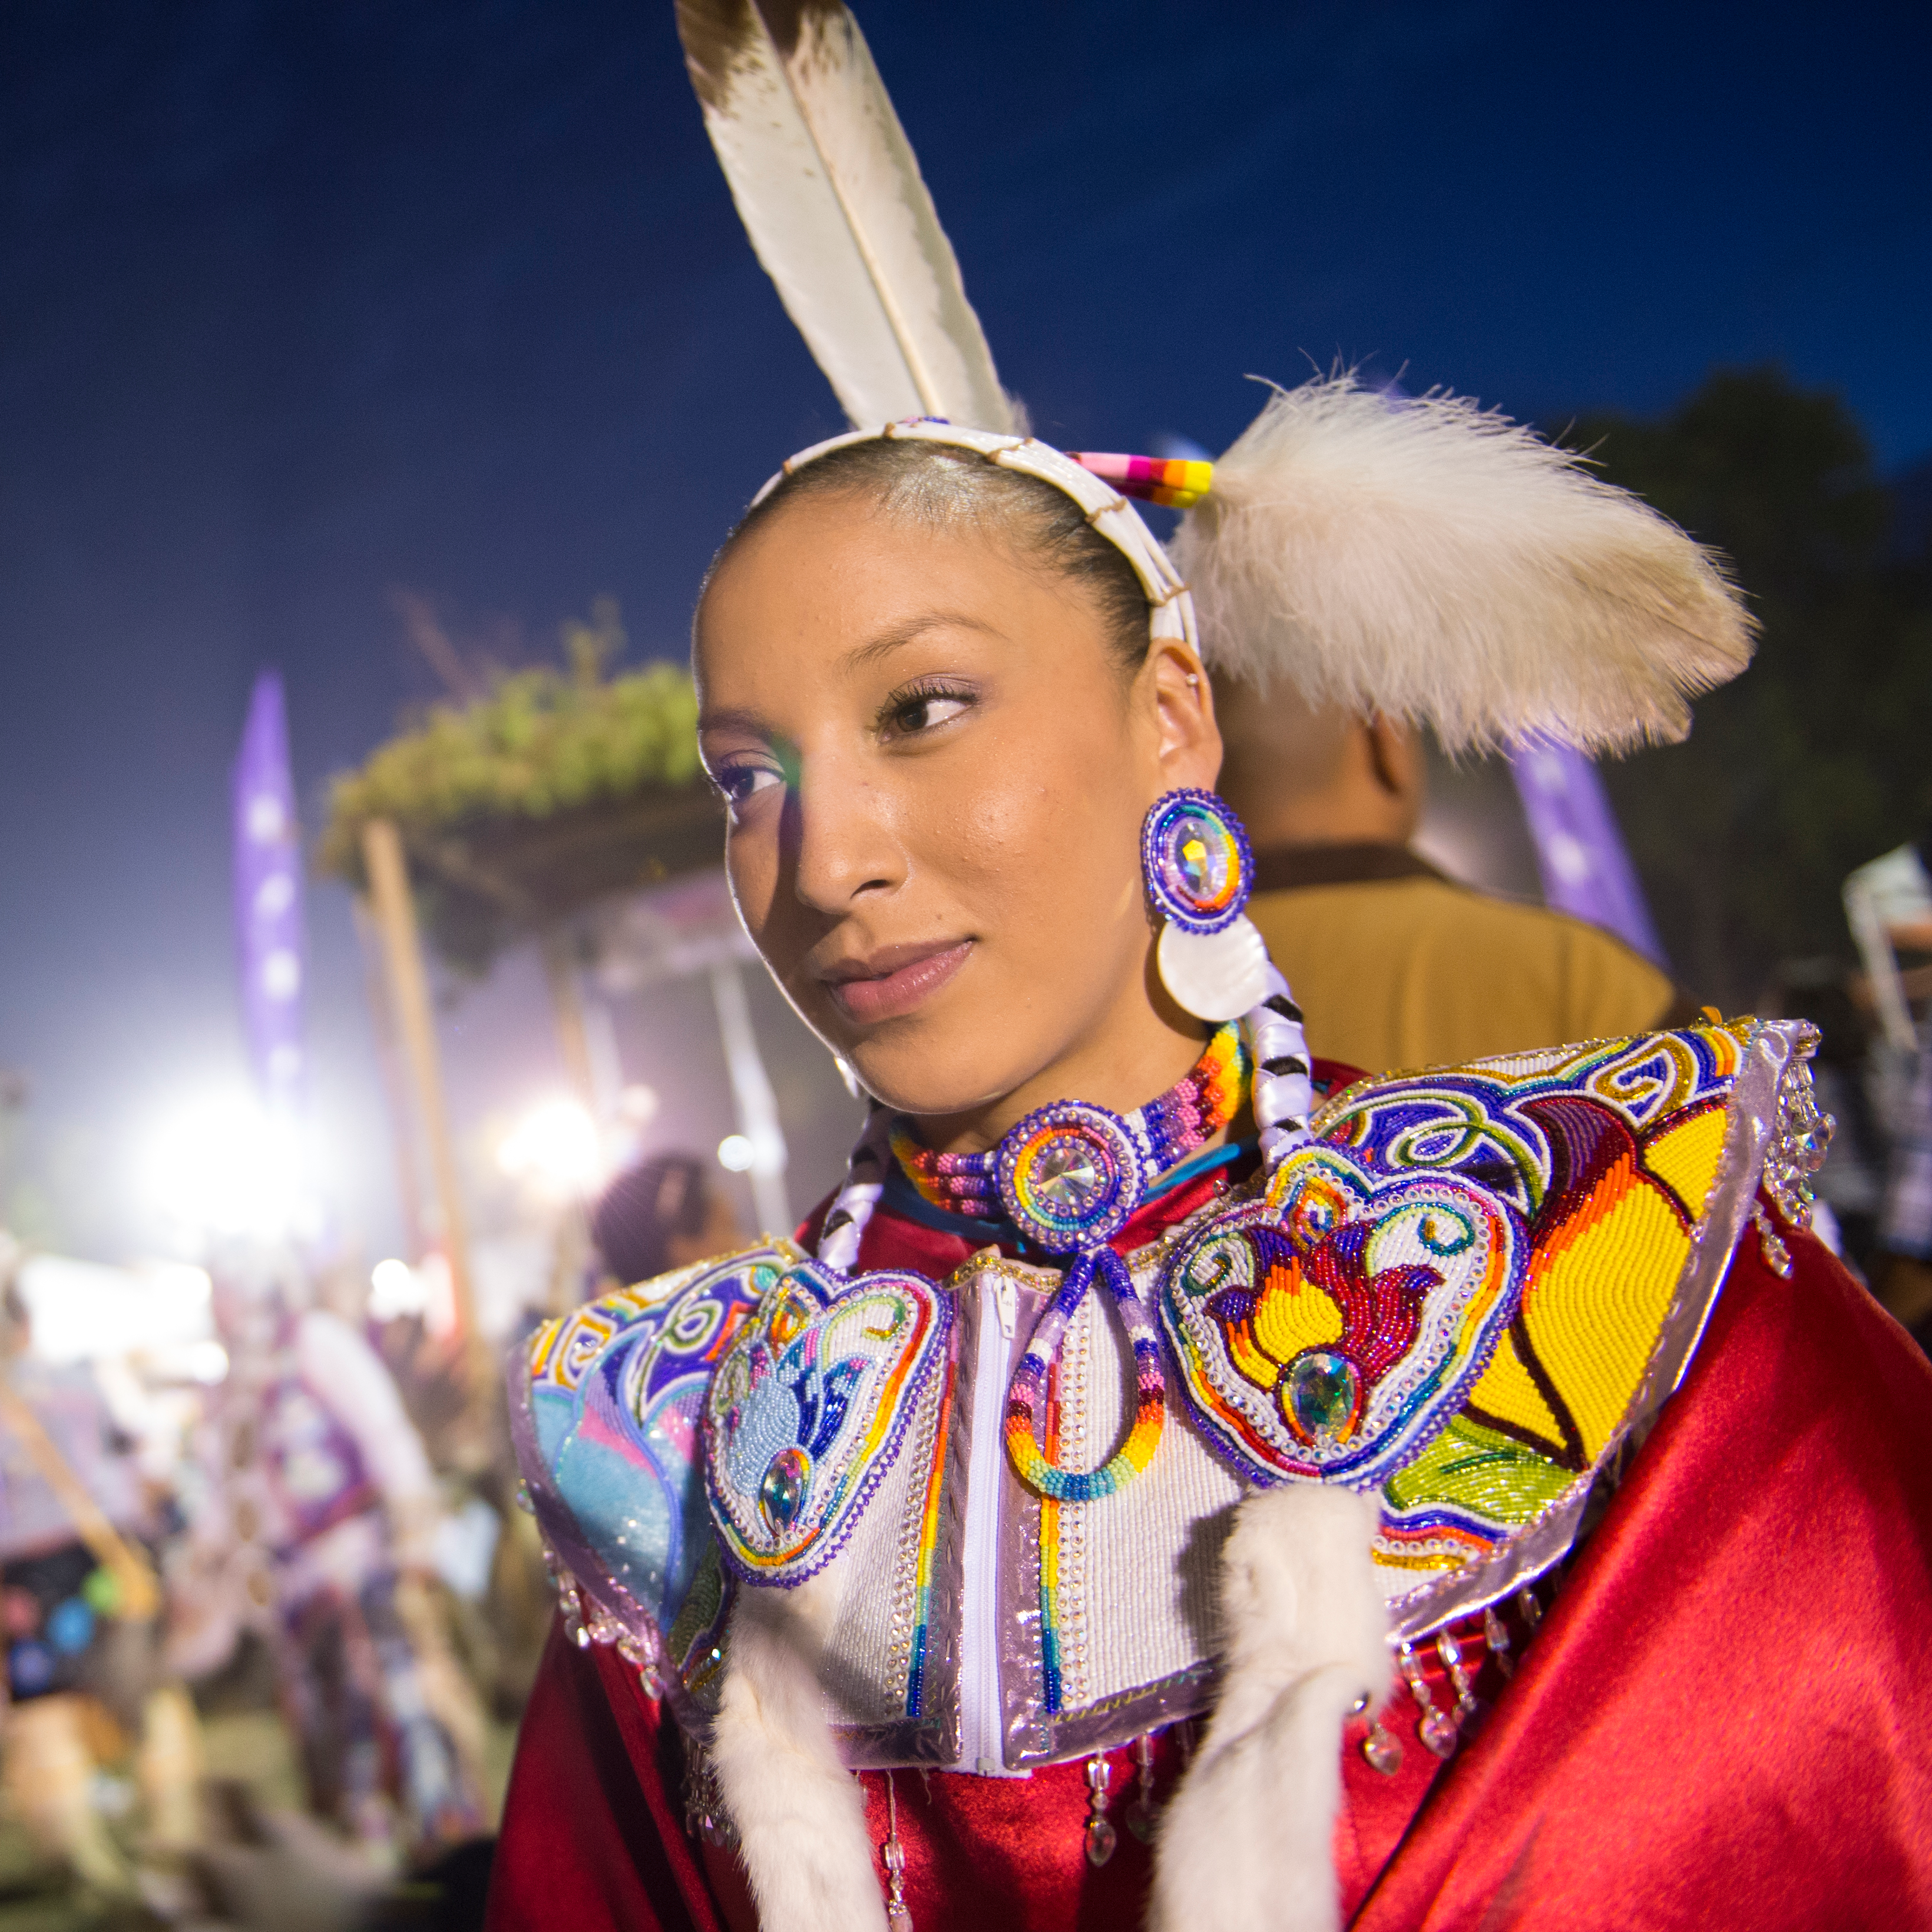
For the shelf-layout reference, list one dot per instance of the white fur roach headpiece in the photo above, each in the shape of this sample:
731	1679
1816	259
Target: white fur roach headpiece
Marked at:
1434	561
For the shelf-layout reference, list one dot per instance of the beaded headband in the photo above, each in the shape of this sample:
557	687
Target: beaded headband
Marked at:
1171	609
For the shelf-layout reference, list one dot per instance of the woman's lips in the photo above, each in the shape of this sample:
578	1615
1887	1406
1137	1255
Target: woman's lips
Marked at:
895	980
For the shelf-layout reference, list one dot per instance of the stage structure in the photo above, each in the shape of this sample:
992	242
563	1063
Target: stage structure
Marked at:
540	811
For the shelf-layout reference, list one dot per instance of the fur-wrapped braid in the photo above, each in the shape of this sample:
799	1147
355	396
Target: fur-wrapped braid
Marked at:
1247	1839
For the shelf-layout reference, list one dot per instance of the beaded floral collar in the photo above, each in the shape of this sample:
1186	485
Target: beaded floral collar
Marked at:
1163	1133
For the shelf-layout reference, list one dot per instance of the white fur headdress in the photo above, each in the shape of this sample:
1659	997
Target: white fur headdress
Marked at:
1433	561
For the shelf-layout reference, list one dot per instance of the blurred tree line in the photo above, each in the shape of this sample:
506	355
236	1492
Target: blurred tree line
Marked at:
1820	756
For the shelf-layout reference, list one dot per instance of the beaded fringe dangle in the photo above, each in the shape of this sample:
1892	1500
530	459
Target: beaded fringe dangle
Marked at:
1468	1711
1382	1747
1140	1813
1101	1836
1495	1634
1437	1729
897	1917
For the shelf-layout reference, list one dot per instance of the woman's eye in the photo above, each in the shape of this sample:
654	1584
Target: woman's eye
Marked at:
740	784
921	713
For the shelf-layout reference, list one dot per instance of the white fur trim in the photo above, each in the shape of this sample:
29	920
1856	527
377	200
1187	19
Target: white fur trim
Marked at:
1434	562
1247	1839
800	1814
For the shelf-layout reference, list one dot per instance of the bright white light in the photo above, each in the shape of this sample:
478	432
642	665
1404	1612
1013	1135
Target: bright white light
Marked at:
205	1362
80	1309
1569	859
266	819
394	1290
637	1104
281	974
274	895
222	1167
736	1154
556	1148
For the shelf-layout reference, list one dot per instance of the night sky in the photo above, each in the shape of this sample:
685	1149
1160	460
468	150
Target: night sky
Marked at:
302	303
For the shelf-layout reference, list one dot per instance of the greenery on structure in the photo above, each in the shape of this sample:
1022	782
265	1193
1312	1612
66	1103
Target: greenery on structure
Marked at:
555	786
1814	760
541	740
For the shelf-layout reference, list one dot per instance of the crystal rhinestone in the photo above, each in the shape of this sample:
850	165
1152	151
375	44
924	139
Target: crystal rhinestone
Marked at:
1438	1731
1382	1749
1322	1392
1196	851
781	1494
1067	1174
1101	1840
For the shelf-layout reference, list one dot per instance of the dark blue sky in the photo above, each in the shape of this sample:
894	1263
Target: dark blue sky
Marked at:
304	301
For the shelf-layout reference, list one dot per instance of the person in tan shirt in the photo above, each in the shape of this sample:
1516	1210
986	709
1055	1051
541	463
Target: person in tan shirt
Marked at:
1395	965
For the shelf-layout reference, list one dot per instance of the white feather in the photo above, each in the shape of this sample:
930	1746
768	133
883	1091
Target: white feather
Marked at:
831	192
1247	1839
1436	562
800	1814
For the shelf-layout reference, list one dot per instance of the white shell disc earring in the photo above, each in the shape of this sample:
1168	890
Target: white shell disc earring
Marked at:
1199	871
1219	976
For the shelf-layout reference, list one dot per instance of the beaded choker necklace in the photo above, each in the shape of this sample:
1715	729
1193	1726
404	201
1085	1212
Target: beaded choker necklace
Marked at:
1069	1177
1048	1180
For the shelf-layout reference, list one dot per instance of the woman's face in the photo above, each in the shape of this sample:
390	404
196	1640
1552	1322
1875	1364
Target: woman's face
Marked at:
936	771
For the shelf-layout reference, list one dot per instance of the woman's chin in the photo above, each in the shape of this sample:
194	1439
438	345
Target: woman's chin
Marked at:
920	1077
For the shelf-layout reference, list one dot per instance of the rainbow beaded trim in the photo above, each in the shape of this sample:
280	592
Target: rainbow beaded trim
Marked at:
1162	1134
1175	481
1026	1395
1196	859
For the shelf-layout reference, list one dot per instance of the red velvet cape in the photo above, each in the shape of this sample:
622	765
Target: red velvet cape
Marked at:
1725	1721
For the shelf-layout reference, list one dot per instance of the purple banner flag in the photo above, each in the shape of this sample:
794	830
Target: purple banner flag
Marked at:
269	901
1579	851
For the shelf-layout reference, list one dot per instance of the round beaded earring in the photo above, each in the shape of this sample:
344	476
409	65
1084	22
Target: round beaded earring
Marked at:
1199	871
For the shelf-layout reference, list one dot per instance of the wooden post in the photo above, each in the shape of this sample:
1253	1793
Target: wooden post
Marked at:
567	1002
416	1022
395	1080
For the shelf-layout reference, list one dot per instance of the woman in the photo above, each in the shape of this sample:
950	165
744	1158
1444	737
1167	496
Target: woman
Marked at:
1174	1472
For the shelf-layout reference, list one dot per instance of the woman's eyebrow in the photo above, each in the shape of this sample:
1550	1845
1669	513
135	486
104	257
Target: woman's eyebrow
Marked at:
749	722
862	657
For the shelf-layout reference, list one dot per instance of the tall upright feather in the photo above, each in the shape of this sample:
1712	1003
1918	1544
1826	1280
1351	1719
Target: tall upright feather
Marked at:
831	192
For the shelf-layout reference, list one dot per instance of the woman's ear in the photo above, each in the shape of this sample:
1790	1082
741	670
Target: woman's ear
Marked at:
1187	741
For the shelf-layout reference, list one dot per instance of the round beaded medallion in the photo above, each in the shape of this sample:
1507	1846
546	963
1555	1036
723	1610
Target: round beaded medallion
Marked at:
1195	855
1070	1175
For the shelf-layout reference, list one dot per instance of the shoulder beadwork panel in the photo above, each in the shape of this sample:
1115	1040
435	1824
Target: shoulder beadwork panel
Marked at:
607	1405
1475	1283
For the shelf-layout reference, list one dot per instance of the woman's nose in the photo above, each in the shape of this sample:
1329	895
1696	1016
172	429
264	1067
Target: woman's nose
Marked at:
840	841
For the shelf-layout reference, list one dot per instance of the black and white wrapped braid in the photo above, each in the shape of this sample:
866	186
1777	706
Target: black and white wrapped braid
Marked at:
845	1222
1284	1091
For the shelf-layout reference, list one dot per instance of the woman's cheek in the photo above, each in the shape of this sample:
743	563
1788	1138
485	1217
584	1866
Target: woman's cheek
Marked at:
750	864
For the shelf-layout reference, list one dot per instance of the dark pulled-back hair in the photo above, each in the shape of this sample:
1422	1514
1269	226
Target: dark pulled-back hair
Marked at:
939	486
